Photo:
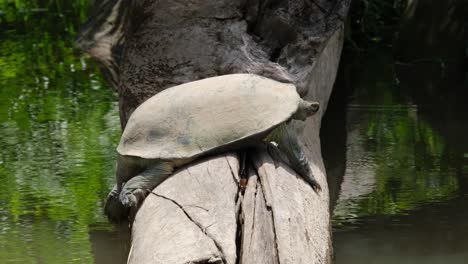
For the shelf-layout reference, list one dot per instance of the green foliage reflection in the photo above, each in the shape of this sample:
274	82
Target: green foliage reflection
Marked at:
396	160
58	129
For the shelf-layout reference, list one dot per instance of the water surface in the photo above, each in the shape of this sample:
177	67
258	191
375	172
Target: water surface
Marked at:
397	165
398	168
58	130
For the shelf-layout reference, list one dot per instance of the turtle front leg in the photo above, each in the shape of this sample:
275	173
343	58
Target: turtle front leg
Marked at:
286	137
135	190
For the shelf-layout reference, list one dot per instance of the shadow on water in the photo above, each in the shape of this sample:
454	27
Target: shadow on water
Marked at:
58	130
397	152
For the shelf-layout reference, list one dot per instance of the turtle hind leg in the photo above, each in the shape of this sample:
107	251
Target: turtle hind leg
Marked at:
135	190
115	211
113	208
286	138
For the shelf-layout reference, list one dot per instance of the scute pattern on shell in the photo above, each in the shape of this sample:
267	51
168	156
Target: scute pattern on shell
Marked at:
188	120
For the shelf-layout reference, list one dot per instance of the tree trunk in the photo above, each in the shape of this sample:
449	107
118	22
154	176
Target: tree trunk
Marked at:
199	214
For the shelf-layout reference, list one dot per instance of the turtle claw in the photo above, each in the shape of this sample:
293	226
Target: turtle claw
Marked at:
316	186
113	208
132	200
128	200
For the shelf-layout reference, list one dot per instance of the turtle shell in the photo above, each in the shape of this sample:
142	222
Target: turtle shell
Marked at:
188	120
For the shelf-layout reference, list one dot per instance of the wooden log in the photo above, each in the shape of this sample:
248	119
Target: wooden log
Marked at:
292	221
194	216
196	222
258	244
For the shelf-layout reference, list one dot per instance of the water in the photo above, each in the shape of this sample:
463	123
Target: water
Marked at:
397	164
59	127
397	167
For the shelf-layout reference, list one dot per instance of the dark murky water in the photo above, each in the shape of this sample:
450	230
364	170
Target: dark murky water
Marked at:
398	168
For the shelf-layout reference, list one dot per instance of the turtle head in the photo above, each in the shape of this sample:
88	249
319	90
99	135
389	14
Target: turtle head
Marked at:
306	109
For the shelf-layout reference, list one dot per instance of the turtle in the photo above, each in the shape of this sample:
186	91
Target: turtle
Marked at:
208	116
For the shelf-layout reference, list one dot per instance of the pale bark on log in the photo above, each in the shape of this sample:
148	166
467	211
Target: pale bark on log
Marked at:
196	215
284	221
191	217
258	244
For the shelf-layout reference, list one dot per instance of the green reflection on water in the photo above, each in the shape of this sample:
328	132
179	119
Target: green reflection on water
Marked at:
58	130
395	161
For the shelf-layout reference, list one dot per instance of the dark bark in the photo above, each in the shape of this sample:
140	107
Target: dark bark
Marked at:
147	46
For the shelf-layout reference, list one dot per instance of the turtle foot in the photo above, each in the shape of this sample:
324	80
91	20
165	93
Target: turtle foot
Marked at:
135	190
132	200
316	186
313	183
115	211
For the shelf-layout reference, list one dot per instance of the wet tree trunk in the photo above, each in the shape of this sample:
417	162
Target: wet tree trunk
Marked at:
200	215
